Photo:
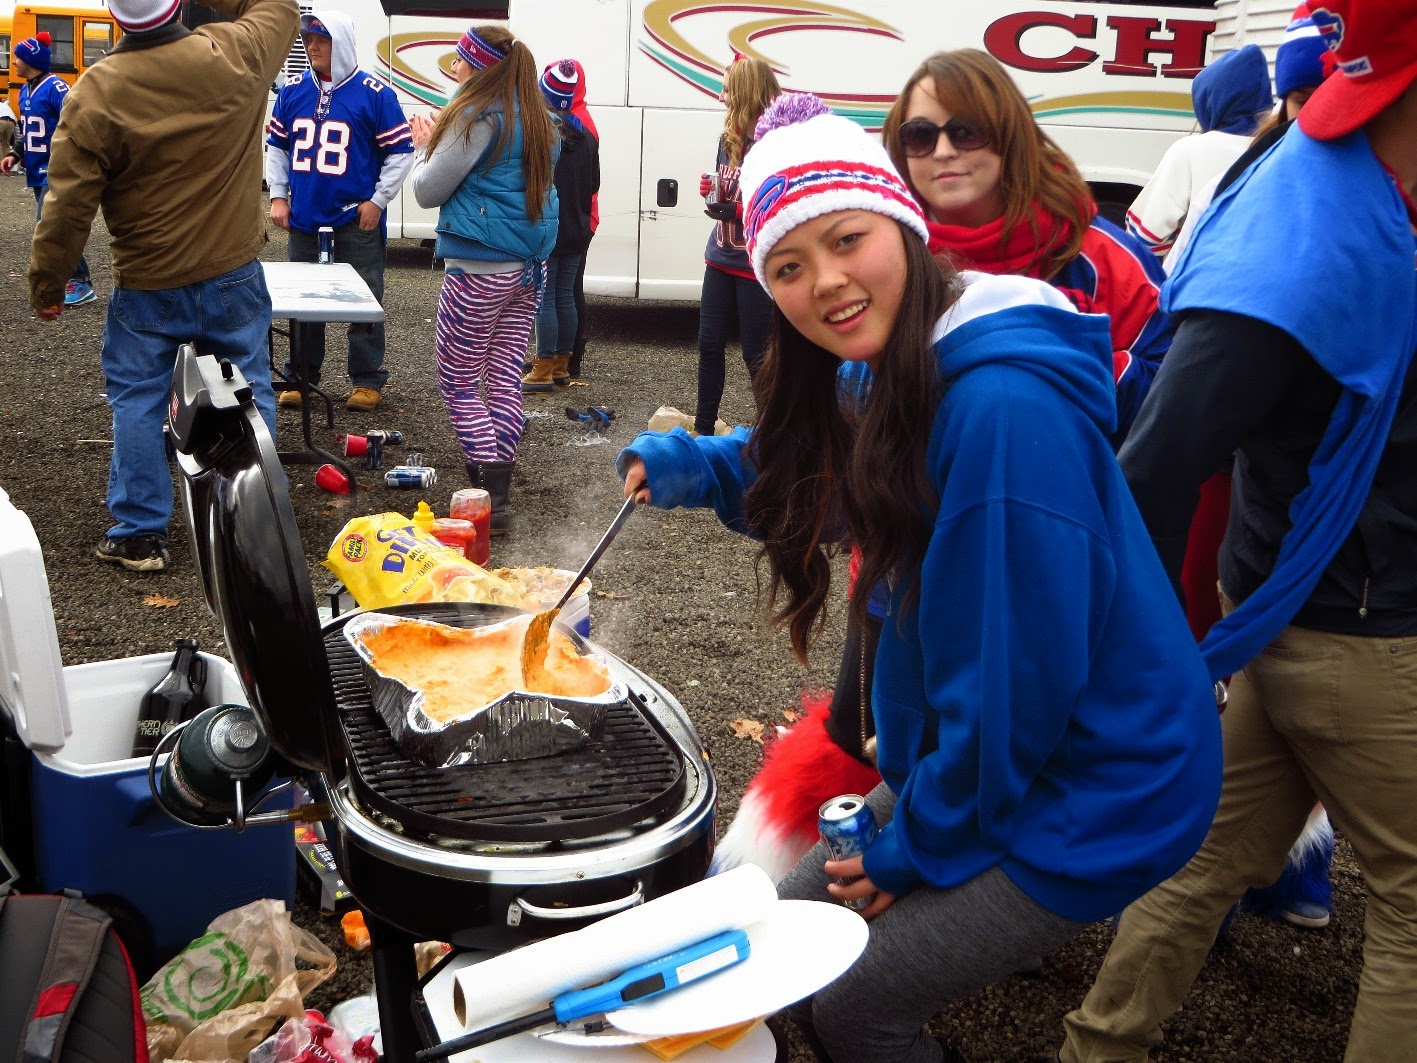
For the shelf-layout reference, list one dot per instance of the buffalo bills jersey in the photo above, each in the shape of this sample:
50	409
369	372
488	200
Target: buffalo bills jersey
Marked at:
39	115
337	142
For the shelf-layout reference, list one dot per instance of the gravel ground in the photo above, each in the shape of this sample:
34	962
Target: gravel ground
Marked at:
679	601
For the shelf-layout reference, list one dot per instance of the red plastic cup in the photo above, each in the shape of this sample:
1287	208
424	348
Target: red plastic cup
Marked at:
332	479
355	446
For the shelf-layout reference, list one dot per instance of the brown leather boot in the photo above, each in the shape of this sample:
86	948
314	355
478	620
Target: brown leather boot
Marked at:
539	380
561	370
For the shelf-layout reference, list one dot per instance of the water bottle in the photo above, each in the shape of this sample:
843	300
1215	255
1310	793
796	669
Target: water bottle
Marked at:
176	698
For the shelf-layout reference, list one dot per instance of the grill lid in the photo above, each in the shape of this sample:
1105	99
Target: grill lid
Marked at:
250	557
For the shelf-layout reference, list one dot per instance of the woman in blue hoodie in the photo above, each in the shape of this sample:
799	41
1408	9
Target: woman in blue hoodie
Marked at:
1046	731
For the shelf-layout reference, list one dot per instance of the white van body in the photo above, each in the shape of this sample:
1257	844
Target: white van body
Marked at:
1110	81
1242	22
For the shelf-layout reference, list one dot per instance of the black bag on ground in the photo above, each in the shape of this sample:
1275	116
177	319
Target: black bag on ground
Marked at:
70	993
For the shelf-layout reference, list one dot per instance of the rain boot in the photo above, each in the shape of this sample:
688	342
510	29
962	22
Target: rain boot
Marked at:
539	380
561	370
495	477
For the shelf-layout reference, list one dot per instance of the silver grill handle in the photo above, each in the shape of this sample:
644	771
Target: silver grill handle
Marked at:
520	906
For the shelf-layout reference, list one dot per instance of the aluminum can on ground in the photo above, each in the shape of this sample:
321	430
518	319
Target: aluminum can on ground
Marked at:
847	826
392	436
404	476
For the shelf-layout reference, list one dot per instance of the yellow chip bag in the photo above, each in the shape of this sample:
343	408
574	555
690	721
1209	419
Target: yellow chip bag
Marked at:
384	559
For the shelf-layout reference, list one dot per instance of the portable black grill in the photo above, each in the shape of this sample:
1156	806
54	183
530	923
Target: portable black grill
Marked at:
482	856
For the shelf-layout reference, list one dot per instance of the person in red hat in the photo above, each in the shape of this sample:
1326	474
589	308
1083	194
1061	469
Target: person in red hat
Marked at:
1297	299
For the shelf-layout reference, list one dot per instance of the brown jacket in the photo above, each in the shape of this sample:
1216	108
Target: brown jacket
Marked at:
164	134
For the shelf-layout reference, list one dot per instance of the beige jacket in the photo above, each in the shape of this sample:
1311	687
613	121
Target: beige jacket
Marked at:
164	133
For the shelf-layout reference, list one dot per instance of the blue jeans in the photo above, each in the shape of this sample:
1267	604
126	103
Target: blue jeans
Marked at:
365	251
228	316
81	271
556	317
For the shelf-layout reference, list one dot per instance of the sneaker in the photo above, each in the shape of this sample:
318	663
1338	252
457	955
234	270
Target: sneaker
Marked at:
1306	914
137	553
290	399
363	399
77	293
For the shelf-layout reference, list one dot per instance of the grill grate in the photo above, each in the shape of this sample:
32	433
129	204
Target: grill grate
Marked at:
632	772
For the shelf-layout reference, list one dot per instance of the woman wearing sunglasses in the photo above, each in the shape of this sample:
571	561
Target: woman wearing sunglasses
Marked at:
1001	197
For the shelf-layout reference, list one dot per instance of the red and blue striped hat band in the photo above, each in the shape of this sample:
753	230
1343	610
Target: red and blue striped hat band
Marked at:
477	53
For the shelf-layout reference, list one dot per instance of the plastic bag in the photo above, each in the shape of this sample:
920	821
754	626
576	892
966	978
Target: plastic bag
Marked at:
667	418
385	560
222	995
310	1038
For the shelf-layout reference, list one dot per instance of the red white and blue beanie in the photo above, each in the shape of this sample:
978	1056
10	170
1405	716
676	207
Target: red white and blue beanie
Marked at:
139	16
476	52
558	84
1299	63
34	51
805	162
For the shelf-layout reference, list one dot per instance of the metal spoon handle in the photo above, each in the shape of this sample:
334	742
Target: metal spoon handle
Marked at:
600	548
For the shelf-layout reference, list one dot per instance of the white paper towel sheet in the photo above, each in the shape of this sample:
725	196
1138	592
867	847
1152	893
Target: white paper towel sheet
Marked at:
529	978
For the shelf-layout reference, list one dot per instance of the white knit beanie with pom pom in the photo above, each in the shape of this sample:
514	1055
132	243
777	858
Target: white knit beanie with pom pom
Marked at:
806	162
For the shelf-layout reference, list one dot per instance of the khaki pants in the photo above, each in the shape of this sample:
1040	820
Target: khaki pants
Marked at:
1323	716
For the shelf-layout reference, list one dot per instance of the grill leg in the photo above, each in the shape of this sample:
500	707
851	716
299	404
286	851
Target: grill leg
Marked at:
395	976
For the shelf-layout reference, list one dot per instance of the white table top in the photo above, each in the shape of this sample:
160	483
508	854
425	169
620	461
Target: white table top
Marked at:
320	291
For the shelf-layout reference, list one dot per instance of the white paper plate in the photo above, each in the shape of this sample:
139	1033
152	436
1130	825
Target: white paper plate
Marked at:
796	949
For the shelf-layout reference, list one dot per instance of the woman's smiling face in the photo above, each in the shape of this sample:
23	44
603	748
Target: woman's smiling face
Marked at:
957	187
839	280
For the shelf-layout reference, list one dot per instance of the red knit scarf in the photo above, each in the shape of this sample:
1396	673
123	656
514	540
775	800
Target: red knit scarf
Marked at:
1028	252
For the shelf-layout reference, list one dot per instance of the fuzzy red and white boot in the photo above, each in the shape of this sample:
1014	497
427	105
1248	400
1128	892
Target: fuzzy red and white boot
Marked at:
802	769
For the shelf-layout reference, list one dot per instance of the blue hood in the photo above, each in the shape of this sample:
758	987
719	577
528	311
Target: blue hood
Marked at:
1233	92
1041	332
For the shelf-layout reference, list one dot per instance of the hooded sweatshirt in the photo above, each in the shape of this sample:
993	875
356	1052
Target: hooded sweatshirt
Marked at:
333	144
1230	95
1040	704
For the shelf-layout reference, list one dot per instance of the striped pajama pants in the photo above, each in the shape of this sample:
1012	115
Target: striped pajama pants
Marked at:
484	322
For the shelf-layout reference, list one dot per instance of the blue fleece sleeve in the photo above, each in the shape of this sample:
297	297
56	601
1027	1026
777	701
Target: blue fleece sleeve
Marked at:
1006	630
685	471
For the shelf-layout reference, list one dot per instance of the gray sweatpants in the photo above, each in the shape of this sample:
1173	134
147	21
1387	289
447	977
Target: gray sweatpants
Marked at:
928	949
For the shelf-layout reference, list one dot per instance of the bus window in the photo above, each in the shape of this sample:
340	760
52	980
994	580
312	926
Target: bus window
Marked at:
5	55
61	44
98	39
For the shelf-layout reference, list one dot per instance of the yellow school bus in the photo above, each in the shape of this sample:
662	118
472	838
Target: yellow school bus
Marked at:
79	37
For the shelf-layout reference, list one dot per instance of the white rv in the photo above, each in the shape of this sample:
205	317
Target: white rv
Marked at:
1110	81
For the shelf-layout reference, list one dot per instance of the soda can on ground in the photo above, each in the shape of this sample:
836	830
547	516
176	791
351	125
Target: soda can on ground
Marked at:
405	476
392	436
374	453
847	826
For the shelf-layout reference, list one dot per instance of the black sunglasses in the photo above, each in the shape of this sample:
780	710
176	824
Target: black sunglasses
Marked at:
919	136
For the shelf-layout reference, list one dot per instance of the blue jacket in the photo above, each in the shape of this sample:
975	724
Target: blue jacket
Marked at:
1041	705
486	219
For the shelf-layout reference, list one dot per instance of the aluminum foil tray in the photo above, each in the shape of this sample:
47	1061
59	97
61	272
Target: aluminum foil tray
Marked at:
519	725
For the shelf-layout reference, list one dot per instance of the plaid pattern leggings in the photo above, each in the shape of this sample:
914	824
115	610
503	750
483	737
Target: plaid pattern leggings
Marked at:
484	322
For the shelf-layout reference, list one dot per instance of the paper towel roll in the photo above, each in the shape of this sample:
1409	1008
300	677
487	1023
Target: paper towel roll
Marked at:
527	979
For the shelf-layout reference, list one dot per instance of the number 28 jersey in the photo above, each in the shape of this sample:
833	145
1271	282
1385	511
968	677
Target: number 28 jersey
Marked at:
338	141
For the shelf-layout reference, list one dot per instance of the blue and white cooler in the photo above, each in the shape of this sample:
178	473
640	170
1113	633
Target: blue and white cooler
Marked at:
76	809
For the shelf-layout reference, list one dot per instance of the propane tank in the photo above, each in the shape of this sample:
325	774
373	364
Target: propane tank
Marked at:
221	747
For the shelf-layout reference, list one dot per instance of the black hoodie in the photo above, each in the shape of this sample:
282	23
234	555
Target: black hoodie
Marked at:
577	179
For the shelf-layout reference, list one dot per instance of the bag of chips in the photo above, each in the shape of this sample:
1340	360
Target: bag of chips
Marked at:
384	559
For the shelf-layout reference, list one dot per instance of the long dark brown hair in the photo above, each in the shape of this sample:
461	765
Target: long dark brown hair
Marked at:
827	470
506	81
975	88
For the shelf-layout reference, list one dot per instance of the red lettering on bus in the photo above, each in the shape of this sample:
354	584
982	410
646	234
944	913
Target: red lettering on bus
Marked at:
1137	42
1004	38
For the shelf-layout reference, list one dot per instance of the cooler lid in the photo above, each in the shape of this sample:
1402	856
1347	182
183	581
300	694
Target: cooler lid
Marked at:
32	693
250	556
